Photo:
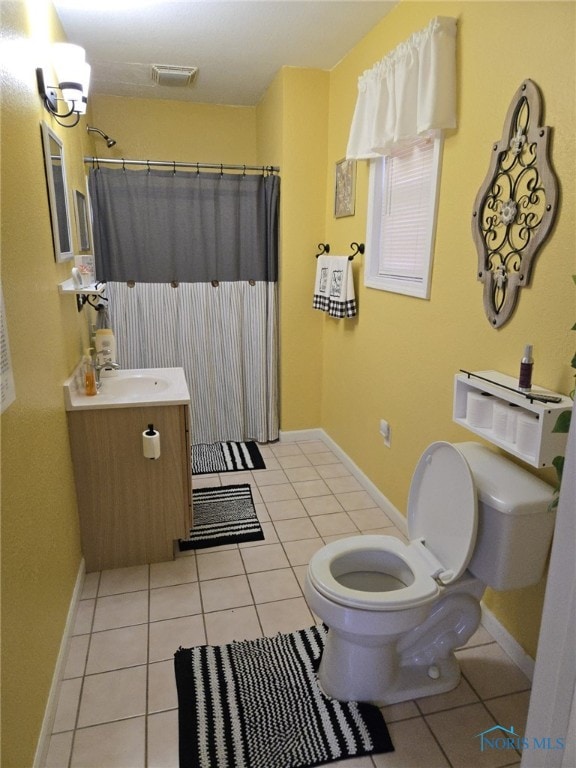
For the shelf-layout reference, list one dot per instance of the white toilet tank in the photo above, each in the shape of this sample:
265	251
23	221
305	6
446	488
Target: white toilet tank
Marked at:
515	525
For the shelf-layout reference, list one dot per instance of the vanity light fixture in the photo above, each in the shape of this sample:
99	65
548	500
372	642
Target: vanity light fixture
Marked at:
73	74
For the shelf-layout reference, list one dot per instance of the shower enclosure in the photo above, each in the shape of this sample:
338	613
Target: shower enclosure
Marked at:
191	263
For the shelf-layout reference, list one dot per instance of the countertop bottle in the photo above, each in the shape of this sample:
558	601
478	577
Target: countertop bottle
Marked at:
526	366
105	345
89	377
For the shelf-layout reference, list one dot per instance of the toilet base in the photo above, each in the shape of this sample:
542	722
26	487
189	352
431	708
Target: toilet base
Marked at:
409	682
417	682
387	669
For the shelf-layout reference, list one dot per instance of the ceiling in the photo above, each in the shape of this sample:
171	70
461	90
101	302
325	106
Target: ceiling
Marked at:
238	45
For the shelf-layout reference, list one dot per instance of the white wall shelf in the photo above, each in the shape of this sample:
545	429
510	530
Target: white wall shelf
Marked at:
94	289
512	420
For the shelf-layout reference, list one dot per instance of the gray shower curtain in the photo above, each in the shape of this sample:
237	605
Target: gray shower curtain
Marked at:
191	263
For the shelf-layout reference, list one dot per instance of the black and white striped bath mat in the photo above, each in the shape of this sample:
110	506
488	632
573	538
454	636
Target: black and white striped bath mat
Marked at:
226	457
223	515
257	704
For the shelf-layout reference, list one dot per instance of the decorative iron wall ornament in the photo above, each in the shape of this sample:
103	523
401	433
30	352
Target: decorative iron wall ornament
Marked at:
516	205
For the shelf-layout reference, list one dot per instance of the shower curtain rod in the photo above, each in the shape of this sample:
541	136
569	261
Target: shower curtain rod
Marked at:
175	164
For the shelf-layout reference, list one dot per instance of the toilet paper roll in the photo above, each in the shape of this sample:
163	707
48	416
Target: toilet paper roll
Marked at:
500	420
511	423
527	434
479	409
151	444
504	421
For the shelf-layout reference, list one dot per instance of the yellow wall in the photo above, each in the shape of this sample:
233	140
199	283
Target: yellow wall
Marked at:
292	129
156	129
398	358
40	538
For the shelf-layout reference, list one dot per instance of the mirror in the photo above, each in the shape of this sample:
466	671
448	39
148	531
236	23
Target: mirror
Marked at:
57	193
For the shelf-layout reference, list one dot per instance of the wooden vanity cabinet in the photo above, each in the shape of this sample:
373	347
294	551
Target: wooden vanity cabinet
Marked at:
131	508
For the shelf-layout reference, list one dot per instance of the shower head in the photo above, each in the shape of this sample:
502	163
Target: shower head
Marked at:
109	142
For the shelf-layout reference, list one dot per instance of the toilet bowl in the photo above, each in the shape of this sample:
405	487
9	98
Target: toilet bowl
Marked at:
396	612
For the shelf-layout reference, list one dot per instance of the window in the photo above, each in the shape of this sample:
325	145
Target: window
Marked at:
402	217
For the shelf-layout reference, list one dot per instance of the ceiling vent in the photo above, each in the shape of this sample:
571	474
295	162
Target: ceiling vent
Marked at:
181	77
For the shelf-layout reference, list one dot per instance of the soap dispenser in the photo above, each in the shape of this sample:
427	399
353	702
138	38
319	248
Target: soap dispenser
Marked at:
90	387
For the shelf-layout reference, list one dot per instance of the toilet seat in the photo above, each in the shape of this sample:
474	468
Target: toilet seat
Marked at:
443	509
442	524
401	558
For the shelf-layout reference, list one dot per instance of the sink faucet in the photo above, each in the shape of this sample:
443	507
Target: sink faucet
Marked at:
105	366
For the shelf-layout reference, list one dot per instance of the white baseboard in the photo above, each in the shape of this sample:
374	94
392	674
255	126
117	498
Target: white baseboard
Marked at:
508	643
489	621
301	435
52	704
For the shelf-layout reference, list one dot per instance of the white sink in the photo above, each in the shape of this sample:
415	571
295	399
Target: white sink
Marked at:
133	386
129	388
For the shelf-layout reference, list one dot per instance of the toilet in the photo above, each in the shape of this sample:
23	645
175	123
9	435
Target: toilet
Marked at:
396	612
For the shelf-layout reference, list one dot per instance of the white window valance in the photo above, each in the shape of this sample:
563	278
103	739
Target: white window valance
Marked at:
409	92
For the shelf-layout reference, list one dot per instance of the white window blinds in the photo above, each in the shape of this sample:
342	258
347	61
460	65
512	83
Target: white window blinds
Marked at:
404	231
401	227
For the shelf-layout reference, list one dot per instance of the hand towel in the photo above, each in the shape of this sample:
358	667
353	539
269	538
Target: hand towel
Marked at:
334	286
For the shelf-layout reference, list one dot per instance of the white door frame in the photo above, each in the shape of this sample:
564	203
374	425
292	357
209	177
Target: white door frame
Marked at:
553	701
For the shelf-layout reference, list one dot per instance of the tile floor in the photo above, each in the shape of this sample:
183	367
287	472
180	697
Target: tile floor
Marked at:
118	706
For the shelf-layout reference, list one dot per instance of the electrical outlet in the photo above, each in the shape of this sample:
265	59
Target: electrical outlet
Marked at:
385	431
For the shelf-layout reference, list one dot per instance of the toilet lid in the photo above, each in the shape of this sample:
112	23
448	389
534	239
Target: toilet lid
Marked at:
443	508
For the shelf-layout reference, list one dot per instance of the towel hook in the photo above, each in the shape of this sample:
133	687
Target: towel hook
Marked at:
324	248
356	248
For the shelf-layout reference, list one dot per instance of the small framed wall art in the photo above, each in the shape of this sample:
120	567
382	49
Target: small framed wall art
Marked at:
345	188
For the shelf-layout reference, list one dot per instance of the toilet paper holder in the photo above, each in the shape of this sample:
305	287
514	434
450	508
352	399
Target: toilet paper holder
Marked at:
151	443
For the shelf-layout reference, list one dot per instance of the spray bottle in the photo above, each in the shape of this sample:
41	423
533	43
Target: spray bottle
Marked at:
526	366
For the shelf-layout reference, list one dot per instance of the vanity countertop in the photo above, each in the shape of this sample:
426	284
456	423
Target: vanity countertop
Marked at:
130	388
